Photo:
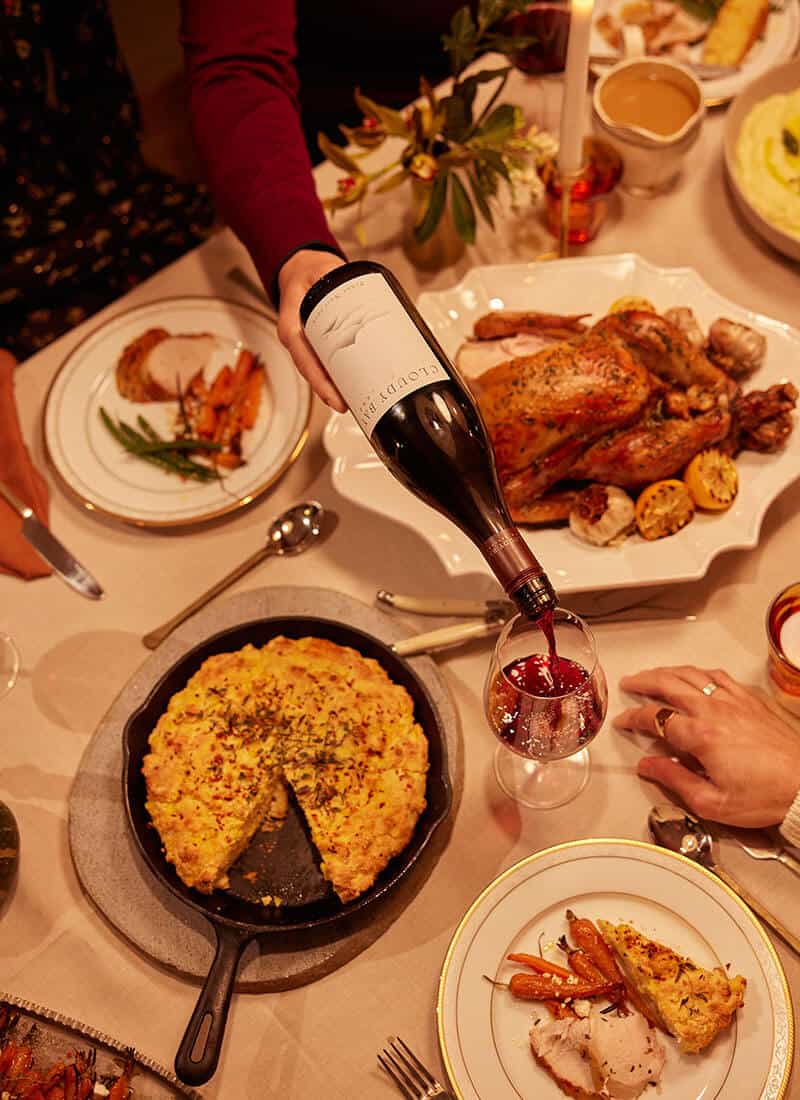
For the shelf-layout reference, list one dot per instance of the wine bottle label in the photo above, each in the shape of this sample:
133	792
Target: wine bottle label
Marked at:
371	347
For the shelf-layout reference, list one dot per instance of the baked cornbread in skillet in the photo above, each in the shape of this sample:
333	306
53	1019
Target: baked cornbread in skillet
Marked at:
305	714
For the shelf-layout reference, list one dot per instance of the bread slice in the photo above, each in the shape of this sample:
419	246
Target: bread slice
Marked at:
689	1002
737	26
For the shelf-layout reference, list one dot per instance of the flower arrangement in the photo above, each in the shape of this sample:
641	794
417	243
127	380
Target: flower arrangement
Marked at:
448	150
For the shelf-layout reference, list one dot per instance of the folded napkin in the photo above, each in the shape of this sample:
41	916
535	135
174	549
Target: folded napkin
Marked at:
17	556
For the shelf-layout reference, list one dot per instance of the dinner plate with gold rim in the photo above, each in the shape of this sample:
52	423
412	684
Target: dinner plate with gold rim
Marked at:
107	480
776	44
483	1030
585	285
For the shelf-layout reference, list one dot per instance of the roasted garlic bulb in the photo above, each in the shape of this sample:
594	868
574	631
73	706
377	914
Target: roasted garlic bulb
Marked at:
735	348
602	515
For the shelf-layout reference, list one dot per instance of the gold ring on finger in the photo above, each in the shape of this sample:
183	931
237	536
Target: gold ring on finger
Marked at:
710	687
662	719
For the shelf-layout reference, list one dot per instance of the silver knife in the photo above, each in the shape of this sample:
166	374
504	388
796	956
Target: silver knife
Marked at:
53	552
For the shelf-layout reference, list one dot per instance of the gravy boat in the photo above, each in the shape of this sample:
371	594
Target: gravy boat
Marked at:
652	161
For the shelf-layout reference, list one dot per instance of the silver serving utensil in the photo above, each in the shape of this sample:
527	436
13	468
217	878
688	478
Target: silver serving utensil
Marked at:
682	832
54	553
294	531
769	851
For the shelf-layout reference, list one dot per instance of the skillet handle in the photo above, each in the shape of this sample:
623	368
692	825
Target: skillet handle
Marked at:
200	1047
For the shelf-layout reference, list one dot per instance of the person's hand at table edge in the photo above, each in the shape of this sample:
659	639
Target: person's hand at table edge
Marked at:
297	275
748	757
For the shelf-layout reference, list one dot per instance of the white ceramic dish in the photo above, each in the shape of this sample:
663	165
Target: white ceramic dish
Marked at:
775	46
582	285
784	78
483	1030
96	470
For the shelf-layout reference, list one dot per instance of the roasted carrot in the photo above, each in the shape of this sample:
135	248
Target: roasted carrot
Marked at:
541	987
583	966
590	940
251	401
221	391
206	421
244	364
227	460
541	966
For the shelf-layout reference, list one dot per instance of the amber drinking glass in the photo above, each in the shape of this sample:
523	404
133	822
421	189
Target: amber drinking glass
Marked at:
544	709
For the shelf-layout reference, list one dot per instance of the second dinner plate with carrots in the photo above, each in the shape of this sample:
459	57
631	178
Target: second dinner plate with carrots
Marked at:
545	908
176	412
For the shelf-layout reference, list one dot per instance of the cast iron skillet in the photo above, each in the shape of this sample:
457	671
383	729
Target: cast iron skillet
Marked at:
282	864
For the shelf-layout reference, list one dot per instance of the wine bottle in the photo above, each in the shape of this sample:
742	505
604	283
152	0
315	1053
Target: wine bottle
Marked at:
418	415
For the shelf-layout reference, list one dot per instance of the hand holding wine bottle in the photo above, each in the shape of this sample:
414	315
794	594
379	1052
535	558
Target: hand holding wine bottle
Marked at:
418	415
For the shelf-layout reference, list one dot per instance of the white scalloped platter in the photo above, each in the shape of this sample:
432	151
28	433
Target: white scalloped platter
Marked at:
483	1030
580	285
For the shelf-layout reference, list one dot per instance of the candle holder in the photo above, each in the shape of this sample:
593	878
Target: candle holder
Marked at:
576	204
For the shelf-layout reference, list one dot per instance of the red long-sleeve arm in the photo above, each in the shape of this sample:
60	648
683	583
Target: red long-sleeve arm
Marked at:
243	92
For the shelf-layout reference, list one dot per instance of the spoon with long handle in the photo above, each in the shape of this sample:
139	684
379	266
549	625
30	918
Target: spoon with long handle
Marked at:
294	531
681	832
770	852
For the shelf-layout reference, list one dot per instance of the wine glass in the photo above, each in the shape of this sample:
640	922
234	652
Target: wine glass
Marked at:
9	664
545	699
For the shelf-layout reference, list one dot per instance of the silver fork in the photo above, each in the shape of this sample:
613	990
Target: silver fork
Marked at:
408	1073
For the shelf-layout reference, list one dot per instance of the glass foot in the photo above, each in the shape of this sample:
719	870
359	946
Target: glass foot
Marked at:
538	784
9	664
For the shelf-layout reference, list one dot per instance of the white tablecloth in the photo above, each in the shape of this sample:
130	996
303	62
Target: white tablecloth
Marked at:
321	1040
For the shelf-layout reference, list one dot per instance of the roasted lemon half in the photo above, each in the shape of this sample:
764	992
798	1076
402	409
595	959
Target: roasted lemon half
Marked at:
663	508
713	480
631	301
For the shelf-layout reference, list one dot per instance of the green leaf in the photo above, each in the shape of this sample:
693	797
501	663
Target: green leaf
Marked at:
391	182
463	212
493	160
336	155
501	125
480	198
457	117
393	121
433	212
460	42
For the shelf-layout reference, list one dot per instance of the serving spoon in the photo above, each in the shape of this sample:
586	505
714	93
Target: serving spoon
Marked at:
292	532
681	832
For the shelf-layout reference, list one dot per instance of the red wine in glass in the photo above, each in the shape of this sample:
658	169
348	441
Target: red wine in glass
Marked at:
545	700
566	702
547	24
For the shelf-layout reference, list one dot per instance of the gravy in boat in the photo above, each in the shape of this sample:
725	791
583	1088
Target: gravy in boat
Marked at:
652	102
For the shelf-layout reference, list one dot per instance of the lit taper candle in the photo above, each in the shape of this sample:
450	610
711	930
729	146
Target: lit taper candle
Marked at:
576	78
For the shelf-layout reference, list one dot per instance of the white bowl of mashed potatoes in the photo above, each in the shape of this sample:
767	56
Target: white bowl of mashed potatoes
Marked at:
762	156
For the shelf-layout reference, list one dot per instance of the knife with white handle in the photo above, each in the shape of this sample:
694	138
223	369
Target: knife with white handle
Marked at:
489	609
54	553
447	636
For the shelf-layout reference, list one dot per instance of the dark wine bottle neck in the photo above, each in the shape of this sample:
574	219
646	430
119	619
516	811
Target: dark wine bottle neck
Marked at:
525	582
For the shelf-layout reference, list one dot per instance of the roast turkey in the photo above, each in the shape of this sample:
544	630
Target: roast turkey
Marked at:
627	402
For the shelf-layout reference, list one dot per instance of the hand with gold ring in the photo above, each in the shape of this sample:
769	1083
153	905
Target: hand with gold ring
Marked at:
747	758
